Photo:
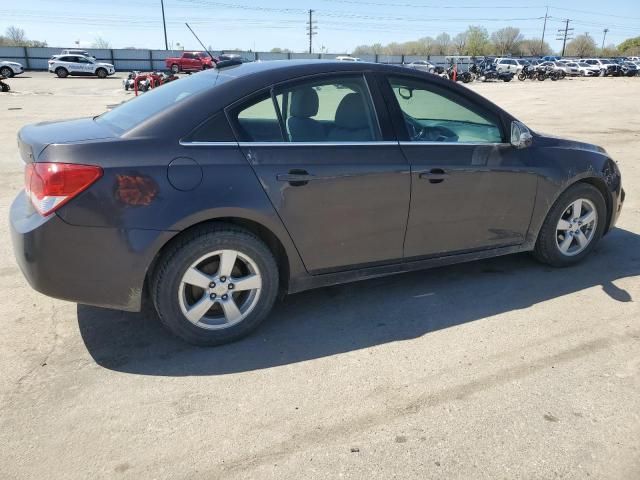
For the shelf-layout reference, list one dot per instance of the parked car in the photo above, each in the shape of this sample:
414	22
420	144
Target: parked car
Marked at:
77	65
554	66
422	65
606	66
218	191
629	69
346	58
568	67
587	70
9	69
513	65
551	58
190	62
72	51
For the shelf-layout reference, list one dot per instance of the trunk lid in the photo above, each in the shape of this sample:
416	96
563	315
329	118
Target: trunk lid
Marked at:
33	139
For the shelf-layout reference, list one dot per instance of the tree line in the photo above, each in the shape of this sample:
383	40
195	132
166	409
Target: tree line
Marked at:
476	41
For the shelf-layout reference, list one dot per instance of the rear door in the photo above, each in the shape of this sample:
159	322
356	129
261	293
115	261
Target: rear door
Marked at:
471	190
73	64
331	167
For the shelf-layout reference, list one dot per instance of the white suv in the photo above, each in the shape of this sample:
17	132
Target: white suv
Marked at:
9	69
65	65
601	63
510	64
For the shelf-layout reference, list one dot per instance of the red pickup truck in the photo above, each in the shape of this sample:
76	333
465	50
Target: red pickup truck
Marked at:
189	62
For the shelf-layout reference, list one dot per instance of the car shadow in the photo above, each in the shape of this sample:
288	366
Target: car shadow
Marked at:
359	315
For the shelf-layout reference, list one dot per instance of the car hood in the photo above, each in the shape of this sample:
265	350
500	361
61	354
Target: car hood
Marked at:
33	139
545	140
103	64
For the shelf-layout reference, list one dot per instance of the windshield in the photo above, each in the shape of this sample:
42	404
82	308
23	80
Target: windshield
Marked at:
129	114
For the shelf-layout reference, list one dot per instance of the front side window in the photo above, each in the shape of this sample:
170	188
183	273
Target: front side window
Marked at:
433	115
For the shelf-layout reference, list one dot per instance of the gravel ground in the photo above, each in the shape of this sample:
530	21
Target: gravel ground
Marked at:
495	369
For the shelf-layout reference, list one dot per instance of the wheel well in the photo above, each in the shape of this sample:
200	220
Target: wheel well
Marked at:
262	232
602	187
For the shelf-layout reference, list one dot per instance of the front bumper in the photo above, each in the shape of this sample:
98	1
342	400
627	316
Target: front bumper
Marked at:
105	267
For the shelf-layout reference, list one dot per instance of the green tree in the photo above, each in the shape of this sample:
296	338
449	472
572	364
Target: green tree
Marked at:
533	48
478	42
443	44
631	46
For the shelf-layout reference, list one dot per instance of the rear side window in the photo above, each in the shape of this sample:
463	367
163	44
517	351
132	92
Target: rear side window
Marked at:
216	129
319	111
328	110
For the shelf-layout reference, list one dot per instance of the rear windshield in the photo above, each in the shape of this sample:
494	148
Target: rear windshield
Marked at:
126	116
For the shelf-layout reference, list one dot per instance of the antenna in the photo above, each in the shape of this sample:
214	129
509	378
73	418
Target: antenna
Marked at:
203	47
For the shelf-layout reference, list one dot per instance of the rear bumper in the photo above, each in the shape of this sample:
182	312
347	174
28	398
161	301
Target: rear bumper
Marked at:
105	267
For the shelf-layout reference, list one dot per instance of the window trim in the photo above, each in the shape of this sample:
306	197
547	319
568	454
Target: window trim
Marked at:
450	94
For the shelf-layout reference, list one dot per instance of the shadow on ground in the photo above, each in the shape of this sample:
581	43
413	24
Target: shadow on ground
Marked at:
349	317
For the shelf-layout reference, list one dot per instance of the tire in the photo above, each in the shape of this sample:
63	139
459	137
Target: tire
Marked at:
62	72
522	77
202	249
6	72
175	68
101	73
548	249
541	77
4	87
507	79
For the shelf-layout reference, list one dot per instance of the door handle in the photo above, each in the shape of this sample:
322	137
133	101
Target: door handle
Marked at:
435	175
296	178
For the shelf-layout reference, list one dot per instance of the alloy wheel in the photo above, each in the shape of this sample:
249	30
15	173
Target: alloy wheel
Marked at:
576	227
219	289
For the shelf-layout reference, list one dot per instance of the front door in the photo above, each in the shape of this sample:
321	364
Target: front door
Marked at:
470	189
340	187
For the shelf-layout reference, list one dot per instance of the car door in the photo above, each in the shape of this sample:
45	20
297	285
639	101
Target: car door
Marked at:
85	66
72	64
470	190
331	168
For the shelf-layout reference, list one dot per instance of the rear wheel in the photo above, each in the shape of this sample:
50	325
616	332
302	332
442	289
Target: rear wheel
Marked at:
573	226
101	72
215	285
62	72
6	72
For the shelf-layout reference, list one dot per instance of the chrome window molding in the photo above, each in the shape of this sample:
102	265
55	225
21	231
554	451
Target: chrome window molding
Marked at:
286	144
472	144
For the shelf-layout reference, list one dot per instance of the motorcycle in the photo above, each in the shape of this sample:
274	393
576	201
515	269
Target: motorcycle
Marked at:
550	72
531	73
4	87
489	72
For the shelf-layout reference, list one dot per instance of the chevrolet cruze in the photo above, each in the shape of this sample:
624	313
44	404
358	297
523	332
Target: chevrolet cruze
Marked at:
213	194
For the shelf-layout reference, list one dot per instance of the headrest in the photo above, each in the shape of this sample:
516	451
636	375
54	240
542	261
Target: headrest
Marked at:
351	113
304	102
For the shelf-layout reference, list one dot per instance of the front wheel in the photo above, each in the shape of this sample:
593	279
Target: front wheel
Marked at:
573	226
522	77
101	72
6	72
175	68
215	285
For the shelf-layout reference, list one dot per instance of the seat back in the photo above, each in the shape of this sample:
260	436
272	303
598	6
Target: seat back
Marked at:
303	128
352	123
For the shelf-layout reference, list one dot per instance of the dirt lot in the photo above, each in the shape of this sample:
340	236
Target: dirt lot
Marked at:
497	369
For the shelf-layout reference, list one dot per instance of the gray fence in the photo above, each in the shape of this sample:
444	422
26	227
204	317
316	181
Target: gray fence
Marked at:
125	60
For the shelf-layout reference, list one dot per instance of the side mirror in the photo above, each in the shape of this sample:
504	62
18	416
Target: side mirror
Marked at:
520	135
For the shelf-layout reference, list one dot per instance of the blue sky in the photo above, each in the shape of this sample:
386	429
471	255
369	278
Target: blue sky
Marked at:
342	24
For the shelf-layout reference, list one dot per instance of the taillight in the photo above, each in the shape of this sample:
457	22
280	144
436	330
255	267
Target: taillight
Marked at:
51	185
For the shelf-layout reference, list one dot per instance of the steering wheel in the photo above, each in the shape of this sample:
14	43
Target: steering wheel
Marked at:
420	133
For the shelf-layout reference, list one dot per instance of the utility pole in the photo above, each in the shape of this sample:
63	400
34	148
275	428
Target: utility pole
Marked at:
164	24
604	32
544	29
311	30
563	34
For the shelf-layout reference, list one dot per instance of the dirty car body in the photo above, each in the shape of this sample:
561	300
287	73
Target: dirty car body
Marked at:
332	210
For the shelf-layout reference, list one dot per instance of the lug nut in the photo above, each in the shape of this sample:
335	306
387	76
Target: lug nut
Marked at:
212	296
212	285
231	286
223	279
224	297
